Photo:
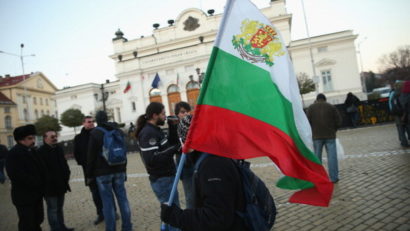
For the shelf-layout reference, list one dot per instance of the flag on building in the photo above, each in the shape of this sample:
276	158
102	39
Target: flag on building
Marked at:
249	105
128	87
155	82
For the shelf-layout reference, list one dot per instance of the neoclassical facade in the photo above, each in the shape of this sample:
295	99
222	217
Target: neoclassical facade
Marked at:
178	55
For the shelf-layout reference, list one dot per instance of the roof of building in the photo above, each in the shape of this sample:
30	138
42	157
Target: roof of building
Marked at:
9	81
4	100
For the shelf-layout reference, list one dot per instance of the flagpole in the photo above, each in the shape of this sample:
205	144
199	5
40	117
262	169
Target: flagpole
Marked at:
227	12
315	77
175	184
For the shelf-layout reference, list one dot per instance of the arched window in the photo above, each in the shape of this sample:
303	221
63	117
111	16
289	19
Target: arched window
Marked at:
7	122
192	93
173	97
155	95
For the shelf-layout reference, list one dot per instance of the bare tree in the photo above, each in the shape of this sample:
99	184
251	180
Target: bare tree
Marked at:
305	83
396	65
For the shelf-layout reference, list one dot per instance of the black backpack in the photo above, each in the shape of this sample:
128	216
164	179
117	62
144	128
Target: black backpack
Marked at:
260	210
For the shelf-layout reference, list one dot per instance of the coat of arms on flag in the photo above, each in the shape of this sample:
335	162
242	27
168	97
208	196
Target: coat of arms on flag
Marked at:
258	42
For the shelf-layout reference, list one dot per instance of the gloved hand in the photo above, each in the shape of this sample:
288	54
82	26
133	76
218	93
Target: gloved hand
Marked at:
170	214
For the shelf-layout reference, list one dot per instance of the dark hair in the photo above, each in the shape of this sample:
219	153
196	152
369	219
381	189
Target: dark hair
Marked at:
153	108
180	105
101	117
87	117
321	97
47	131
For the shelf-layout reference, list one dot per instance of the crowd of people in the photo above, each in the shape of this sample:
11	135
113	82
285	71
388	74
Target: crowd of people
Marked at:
213	191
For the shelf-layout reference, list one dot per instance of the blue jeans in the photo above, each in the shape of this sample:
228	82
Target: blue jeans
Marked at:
2	175
55	213
188	184
330	145
162	188
106	185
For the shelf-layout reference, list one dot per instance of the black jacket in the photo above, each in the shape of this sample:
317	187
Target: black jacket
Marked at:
96	164
27	175
157	151
3	152
57	170
218	195
81	147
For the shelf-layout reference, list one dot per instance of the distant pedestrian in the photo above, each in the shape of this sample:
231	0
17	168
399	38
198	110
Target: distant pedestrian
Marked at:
182	110
131	129
27	176
110	178
397	109
58	175
325	119
157	151
80	154
405	101
3	156
352	111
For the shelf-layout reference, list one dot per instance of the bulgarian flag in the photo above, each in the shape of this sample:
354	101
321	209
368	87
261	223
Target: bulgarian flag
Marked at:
128	87
250	106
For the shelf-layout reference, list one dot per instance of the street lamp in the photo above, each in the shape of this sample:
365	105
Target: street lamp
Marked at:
21	56
200	74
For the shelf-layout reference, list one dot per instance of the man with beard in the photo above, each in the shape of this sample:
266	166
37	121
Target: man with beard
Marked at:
80	154
157	151
26	172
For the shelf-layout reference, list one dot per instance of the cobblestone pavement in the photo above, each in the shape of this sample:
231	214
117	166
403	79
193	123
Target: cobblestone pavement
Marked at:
372	194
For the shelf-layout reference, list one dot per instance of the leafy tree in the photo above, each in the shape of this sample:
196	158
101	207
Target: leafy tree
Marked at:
46	123
396	65
72	118
306	84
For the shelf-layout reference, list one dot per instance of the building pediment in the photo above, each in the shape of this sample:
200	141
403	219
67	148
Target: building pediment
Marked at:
325	62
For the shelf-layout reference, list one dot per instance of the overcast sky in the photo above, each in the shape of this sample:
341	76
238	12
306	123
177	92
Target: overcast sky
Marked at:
72	39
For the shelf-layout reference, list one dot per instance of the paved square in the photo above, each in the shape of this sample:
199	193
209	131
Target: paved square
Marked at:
373	192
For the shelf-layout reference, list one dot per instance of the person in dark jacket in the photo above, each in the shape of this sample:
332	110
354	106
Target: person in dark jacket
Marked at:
58	175
352	111
182	110
325	119
80	154
109	178
157	151
218	196
26	172
3	156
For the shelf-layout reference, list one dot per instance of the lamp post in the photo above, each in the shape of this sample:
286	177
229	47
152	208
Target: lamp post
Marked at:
362	76
201	75
315	77
104	96
21	56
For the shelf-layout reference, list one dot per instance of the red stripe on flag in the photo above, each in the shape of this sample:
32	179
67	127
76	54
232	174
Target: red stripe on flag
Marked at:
234	135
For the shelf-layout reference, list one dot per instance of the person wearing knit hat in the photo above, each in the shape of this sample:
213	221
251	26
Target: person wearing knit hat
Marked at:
27	174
